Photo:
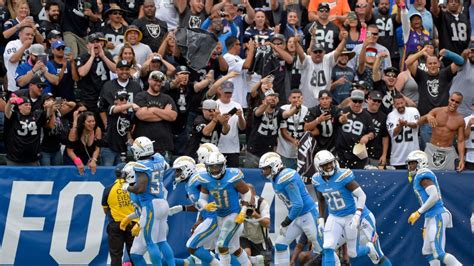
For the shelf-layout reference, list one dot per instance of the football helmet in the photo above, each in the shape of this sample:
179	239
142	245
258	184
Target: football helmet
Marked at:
142	147
417	156
204	150
184	166
272	160
128	173
215	164
324	157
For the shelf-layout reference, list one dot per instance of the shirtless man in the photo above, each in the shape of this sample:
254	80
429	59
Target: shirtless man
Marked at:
446	123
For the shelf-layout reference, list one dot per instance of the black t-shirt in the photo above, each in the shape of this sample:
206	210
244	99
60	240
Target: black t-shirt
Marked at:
153	31
83	151
51	141
65	88
118	125
111	87
197	137
73	18
327	129
24	132
375	147
387	100
160	131
46	26
387	25
182	97
351	132
264	132
91	84
367	77
294	75
189	20
434	90
327	35
132	8
36	104
454	32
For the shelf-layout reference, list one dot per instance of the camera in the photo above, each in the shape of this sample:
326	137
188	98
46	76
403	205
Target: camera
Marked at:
250	210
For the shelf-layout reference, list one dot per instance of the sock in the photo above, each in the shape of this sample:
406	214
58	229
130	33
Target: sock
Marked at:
450	260
362	251
203	255
328	257
137	260
155	254
225	259
167	253
215	262
434	263
179	262
233	261
243	259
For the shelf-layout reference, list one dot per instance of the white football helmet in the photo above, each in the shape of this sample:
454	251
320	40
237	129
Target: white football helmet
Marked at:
272	160
185	167
215	164
324	157
141	147
204	150
417	156
128	173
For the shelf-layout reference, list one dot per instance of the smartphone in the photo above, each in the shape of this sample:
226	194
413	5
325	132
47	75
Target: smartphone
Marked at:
43	58
59	100
271	78
30	17
232	111
67	51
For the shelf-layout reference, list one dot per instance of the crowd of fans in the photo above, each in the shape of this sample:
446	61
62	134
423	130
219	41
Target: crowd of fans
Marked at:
369	80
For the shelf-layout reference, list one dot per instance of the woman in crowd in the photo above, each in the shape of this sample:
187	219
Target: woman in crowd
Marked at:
22	18
260	28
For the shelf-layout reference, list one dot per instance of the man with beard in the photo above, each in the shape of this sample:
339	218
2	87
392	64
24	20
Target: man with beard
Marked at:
321	121
131	8
152	28
114	29
433	84
66	70
324	30
133	36
402	126
192	15
463	81
94	69
385	84
53	14
387	24
446	123
342	77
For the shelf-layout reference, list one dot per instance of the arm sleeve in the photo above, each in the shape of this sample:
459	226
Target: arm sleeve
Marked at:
360	197
432	199
295	199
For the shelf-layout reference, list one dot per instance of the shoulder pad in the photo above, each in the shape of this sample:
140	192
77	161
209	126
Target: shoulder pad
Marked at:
139	167
343	174
202	178
194	178
234	175
316	179
424	173
286	175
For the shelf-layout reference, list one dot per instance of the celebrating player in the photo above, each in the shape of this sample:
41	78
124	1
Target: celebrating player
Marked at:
150	191
302	214
437	217
224	185
348	215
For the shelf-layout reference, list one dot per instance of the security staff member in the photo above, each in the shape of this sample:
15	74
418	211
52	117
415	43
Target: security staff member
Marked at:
117	206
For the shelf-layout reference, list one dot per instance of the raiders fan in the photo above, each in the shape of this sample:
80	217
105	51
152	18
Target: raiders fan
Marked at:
114	29
153	29
324	30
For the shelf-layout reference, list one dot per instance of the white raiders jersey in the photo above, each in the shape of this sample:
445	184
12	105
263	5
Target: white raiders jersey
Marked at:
407	140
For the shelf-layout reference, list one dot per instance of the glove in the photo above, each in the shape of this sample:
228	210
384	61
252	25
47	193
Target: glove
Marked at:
240	218
321	226
283	230
414	217
211	207
136	230
125	187
355	220
123	224
175	209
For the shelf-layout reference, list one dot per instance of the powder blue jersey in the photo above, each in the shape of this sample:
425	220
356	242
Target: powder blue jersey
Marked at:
290	189
421	194
154	168
136	203
223	190
339	199
193	188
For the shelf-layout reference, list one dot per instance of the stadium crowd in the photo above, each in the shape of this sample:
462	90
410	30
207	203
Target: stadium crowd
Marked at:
370	81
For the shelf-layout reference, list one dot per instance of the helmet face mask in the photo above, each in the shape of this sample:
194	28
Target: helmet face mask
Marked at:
416	160
216	165
270	164
325	163
185	167
128	173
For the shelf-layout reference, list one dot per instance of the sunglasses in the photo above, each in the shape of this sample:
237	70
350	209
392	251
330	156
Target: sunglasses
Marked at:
60	48
371	54
121	98
361	6
391	75
210	110
358	101
324	10
376	101
116	13
277	43
318	51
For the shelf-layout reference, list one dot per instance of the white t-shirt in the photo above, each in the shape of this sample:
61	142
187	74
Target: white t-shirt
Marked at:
240	82
166	11
229	143
315	77
407	140
469	142
386	63
295	126
142	52
10	49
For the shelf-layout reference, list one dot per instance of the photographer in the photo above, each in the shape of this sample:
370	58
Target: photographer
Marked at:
254	239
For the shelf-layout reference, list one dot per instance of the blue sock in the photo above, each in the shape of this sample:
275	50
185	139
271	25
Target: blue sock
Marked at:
137	260
167	253
234	261
155	254
179	262
328	257
362	251
204	255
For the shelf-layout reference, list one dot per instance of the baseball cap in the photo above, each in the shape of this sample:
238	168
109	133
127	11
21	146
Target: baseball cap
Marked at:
157	75
361	83
123	63
133	28
58	44
48	95
391	70
324	93
92	37
357	95
114	8
270	92
53	34
415	14
181	69
317	47
38	81
277	36
156	58
23	100
209	104
121	93
352	15
227	86
349	54
376	95
371	49
36	49
323	5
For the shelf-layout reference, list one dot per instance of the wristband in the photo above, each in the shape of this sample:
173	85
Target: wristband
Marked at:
286	222
77	161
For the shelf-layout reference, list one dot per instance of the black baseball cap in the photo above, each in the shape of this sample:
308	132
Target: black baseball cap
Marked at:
375	95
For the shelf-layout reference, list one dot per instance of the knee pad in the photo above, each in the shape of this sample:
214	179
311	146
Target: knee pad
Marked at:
280	247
